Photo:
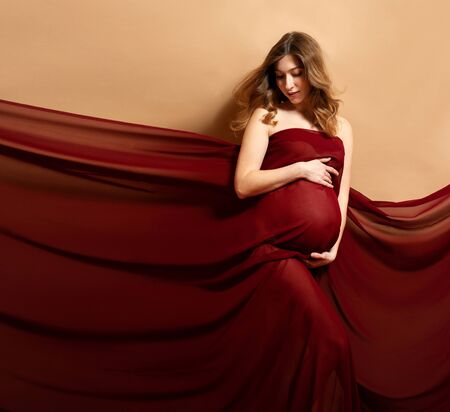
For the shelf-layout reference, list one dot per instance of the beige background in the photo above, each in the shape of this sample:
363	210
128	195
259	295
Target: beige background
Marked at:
173	64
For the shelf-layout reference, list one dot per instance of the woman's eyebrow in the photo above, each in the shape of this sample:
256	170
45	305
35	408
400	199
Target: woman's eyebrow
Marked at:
296	67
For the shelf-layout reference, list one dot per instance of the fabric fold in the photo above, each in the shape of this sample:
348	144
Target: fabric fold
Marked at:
133	278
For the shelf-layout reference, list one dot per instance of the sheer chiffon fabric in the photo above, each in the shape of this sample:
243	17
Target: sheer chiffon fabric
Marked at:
133	278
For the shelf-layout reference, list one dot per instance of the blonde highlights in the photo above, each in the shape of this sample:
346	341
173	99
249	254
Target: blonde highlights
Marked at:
259	88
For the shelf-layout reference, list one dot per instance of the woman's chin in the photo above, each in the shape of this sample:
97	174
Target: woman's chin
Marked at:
295	99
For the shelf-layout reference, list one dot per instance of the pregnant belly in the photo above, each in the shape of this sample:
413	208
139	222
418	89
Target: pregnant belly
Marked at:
308	216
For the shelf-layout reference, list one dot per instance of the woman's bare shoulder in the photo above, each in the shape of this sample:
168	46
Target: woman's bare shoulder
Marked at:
257	115
256	125
260	111
275	116
277	110
344	128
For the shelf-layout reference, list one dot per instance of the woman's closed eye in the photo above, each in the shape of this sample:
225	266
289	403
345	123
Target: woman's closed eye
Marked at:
294	74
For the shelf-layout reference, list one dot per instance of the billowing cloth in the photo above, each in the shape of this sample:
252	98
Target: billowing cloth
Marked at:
133	278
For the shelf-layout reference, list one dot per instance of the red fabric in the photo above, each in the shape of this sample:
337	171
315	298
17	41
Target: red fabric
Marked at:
133	278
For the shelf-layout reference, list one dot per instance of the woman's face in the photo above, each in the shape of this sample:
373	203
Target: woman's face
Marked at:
291	80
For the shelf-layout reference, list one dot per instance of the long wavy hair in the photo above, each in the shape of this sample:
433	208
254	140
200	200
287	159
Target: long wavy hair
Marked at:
259	88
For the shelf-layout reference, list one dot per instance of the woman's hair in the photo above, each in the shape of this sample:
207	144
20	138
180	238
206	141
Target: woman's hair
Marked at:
259	88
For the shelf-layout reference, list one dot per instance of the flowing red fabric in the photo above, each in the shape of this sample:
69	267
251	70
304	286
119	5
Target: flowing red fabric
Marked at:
134	279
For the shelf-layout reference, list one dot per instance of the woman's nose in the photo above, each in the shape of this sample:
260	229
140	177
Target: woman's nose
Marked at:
289	82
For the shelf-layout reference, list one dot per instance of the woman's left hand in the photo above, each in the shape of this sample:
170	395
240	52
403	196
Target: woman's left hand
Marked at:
319	259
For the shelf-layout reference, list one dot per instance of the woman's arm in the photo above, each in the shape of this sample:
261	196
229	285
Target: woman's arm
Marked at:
346	134
317	259
249	180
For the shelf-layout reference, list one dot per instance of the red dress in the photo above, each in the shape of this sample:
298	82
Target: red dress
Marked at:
134	279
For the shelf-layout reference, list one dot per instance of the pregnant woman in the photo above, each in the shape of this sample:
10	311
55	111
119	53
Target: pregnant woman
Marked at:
172	271
296	116
297	150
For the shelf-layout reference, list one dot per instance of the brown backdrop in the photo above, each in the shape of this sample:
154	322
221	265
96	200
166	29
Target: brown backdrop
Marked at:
174	65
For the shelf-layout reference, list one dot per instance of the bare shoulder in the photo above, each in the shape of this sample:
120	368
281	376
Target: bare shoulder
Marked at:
259	112
344	130
255	125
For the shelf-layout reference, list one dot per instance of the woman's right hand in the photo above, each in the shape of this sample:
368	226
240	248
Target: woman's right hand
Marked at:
318	172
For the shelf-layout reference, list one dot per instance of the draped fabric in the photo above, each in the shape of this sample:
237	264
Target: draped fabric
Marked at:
133	278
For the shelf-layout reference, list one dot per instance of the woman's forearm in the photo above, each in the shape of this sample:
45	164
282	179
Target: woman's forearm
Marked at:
262	181
343	203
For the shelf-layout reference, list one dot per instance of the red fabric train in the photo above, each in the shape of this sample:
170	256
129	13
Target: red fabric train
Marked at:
134	279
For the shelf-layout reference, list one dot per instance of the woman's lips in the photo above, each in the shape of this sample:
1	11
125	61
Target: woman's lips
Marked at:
293	94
